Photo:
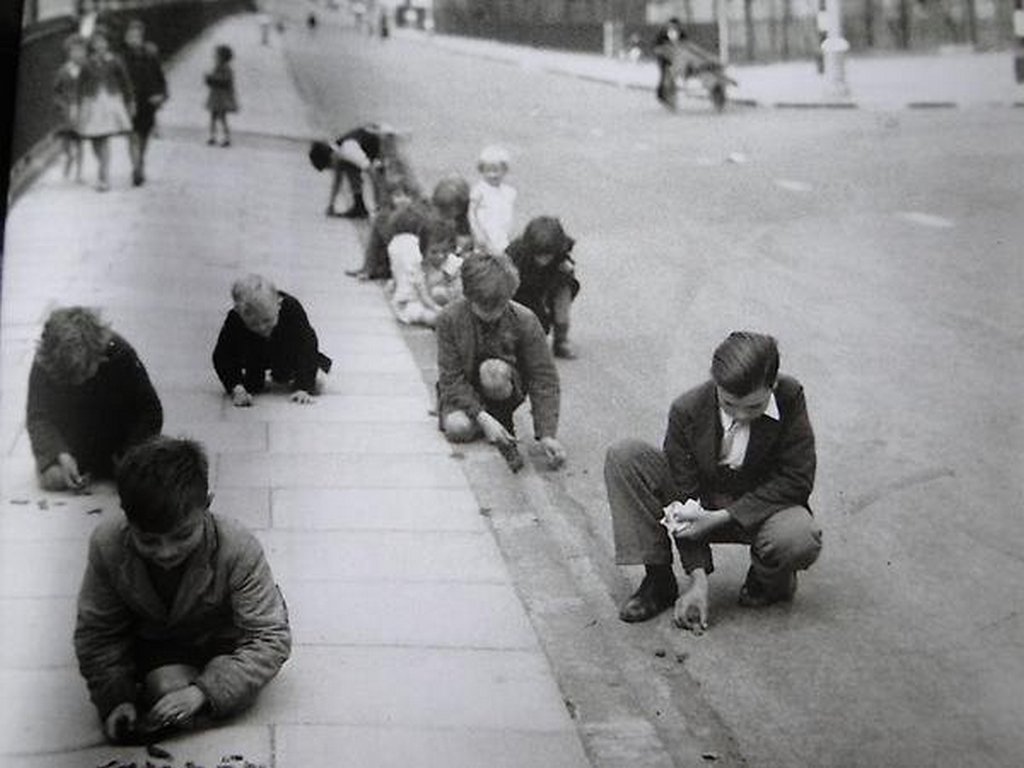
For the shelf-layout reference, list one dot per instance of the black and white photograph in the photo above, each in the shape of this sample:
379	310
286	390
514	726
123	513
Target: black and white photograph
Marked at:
512	383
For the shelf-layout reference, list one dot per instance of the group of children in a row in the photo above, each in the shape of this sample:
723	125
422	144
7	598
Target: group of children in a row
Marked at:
100	94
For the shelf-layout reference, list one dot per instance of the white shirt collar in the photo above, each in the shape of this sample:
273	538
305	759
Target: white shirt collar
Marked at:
771	411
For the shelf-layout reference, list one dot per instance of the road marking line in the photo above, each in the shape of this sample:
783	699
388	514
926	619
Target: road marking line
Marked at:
792	185
925	219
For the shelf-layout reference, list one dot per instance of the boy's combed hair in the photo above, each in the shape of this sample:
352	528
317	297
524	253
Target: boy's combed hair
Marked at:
544	234
489	279
74	339
161	481
744	362
320	154
451	196
252	291
436	230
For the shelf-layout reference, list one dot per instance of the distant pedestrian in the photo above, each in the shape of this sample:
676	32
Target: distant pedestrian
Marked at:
89	400
349	156
492	355
267	331
385	26
547	278
737	466
492	201
67	89
311	22
666	50
179	618
150	88
221	100
107	101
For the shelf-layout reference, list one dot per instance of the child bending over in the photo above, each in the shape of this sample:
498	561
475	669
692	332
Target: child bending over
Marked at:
178	614
547	277
267	330
492	355
89	400
492	202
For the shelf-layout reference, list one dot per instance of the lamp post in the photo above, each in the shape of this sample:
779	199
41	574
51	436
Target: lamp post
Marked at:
1018	34
722	14
834	50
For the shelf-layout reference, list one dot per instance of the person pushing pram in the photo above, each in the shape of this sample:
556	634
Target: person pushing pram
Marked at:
679	57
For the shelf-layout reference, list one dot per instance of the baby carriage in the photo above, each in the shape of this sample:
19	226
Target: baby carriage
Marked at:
687	61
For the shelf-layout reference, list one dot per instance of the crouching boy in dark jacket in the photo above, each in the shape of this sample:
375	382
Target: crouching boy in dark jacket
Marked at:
178	614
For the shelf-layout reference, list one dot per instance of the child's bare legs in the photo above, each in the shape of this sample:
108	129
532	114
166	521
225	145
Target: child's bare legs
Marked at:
226	141
101	148
561	303
213	129
137	151
496	380
222	119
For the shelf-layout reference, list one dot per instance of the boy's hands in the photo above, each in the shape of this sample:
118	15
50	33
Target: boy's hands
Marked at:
121	721
493	431
64	473
691	609
691	521
554	451
177	707
302	397
240	398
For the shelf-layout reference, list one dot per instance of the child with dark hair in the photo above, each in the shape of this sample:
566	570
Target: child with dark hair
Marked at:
150	87
67	88
492	355
404	212
222	98
737	466
179	616
419	288
89	400
267	330
451	201
547	277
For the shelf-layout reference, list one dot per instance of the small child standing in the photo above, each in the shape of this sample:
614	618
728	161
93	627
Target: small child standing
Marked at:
221	100
67	89
492	202
547	277
179	616
107	101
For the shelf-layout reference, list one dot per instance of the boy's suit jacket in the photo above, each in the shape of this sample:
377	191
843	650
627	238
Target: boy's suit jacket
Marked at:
777	471
227	592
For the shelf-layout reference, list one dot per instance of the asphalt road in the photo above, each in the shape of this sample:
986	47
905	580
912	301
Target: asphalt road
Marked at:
882	250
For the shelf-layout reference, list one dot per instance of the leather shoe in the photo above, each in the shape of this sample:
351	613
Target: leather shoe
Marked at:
650	599
754	595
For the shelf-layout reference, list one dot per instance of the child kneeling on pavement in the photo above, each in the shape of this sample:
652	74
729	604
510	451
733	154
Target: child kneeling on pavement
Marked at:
492	355
179	616
547	277
267	330
425	270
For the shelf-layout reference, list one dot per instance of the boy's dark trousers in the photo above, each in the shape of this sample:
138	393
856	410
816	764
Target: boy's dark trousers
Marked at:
355	181
640	485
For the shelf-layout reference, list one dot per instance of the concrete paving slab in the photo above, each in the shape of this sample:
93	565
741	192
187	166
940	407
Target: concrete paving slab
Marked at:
53	713
337	471
192	404
223	436
375	384
334	407
480	616
249	506
36	633
370	557
402	747
66	517
357	437
43	568
416	687
380	509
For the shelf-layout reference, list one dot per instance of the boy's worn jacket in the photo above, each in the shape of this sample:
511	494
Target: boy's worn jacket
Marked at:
227	592
524	345
95	421
292	349
778	469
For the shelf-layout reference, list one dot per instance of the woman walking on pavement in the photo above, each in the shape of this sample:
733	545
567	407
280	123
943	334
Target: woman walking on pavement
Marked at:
221	100
107	102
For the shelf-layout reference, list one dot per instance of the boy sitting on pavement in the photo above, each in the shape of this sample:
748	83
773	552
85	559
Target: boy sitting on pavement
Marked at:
89	400
267	330
737	466
492	355
178	614
547	277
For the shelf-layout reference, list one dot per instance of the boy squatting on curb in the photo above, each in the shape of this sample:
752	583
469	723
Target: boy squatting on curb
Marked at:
737	466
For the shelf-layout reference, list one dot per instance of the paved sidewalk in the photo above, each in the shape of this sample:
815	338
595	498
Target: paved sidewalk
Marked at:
411	645
884	82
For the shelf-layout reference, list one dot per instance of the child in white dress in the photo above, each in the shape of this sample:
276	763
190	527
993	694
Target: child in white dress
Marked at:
492	202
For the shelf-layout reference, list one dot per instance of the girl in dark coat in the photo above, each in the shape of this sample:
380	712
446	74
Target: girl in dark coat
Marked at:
547	277
89	400
221	99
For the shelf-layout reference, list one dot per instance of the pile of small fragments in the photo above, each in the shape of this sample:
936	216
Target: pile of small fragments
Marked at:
166	760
